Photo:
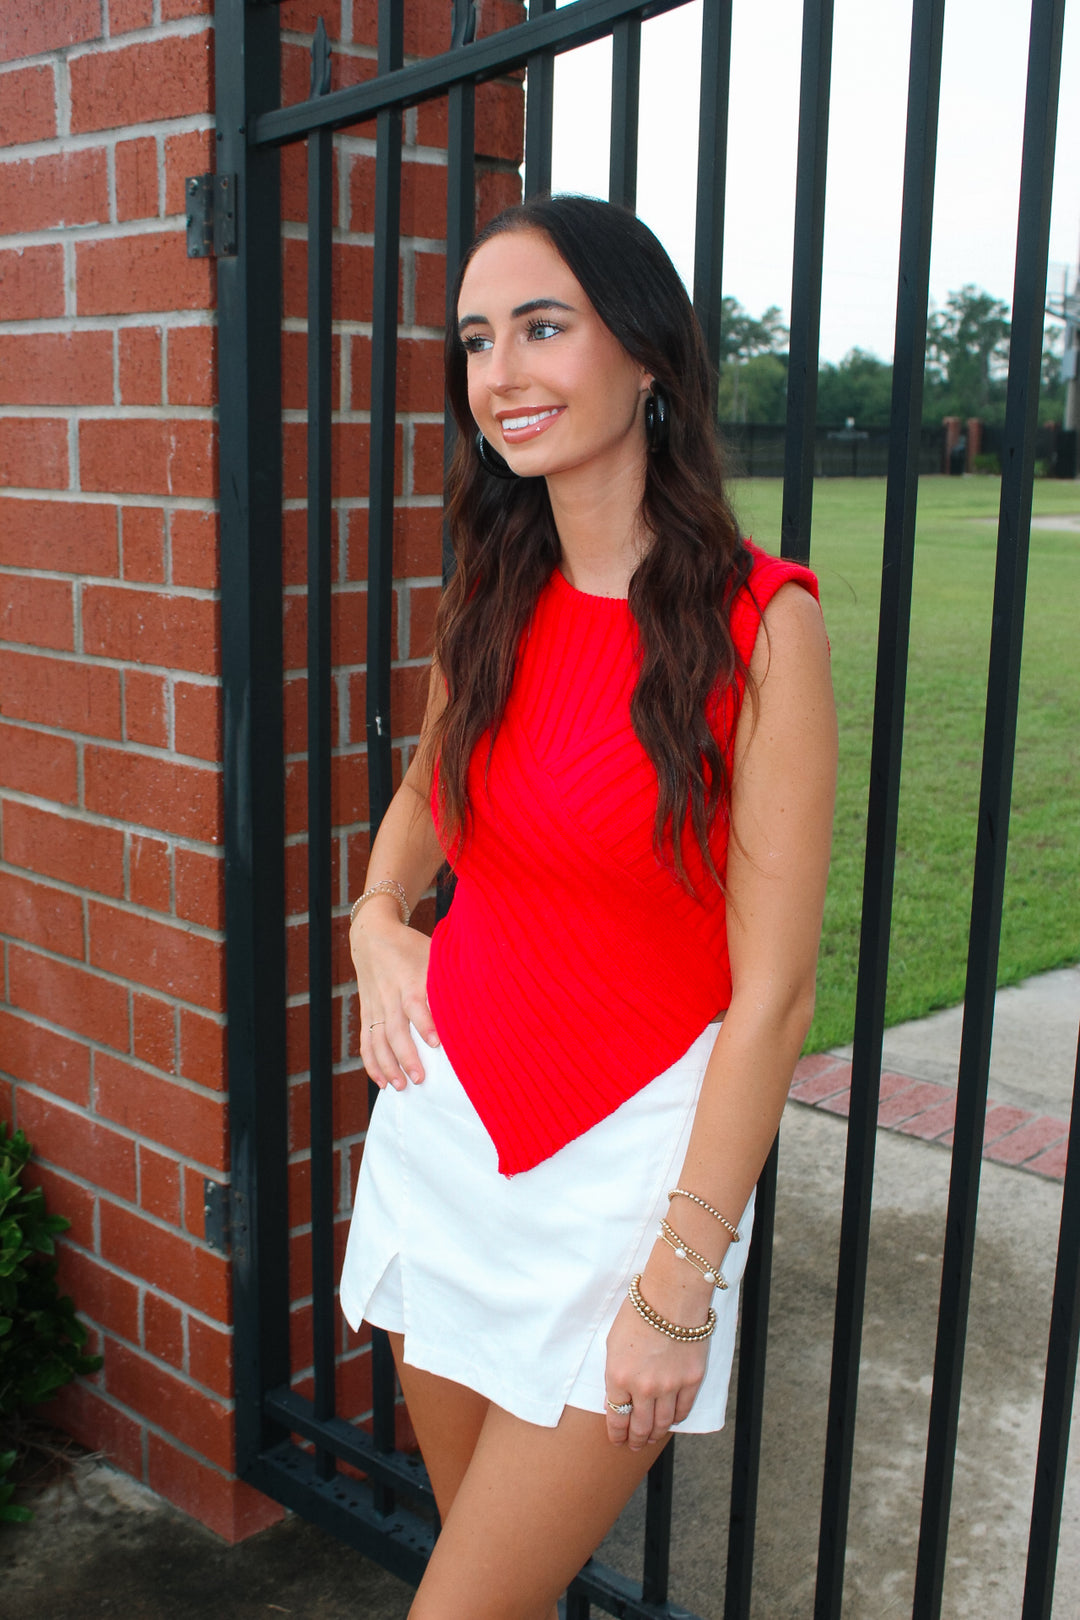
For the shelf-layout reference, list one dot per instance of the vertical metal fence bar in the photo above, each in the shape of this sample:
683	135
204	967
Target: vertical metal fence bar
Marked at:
750	1398
712	171
247	72
999	739
1058	1391
460	229
384	315
625	96
320	158
656	1570
460	198
798	499
539	112
460	156
924	85
383	425
795	542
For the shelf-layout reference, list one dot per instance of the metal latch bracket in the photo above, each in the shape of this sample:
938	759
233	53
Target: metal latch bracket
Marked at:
211	216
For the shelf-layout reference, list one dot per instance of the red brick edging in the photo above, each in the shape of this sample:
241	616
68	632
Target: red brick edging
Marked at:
927	1109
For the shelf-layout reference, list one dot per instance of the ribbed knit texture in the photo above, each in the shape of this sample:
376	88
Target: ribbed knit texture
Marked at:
567	939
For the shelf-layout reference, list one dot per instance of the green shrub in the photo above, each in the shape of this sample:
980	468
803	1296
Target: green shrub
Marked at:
41	1338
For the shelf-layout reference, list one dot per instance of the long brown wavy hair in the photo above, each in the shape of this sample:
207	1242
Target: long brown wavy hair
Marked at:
506	544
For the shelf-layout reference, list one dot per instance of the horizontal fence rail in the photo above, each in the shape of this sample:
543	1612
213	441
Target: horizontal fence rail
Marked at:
296	1438
580	24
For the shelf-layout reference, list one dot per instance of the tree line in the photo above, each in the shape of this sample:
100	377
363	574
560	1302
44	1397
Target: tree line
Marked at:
967	359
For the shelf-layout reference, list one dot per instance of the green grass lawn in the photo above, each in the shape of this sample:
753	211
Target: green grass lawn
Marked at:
950	638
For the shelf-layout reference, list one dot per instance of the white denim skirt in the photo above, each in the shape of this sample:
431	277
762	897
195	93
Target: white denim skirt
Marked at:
510	1284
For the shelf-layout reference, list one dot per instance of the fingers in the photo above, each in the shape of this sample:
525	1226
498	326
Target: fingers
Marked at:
389	1053
368	1058
618	1423
391	977
684	1404
663	1418
649	1420
420	1017
641	1424
423	1023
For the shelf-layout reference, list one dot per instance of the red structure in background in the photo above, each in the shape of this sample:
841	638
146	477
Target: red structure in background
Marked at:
113	1007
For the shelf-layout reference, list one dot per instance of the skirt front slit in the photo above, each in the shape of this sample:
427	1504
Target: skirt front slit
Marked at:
509	1284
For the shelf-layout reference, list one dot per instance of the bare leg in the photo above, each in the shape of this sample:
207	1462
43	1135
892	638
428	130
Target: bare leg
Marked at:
447	1418
531	1506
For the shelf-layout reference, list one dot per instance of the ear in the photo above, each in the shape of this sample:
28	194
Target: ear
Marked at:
647	380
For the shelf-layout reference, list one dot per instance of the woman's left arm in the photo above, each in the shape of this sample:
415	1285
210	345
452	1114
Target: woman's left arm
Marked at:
778	857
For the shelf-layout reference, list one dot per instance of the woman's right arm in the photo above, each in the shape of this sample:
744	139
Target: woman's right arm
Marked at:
391	959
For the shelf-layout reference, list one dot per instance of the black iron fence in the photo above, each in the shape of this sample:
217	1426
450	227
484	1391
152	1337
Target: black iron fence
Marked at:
295	1436
1055	450
757	449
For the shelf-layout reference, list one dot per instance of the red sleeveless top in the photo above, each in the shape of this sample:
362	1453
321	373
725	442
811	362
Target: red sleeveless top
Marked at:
572	967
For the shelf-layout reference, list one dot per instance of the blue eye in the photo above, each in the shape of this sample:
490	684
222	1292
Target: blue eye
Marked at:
543	330
475	343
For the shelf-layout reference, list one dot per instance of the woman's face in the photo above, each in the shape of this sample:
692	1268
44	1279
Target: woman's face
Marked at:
550	387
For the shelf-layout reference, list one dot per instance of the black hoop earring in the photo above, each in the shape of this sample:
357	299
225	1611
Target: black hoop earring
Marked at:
491	461
656	419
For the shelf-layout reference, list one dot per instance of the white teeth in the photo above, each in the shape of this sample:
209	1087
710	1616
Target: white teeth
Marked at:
513	424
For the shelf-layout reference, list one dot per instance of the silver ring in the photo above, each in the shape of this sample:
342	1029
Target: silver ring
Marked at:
377	1021
621	1410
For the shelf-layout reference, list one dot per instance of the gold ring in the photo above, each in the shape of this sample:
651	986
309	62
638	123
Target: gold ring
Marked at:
622	1409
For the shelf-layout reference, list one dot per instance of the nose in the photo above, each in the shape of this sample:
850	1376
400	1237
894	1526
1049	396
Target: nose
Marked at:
504	370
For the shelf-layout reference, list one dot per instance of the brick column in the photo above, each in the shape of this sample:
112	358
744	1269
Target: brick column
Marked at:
112	1002
951	424
974	441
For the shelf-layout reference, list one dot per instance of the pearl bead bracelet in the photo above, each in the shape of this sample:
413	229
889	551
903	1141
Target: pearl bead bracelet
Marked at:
683	1251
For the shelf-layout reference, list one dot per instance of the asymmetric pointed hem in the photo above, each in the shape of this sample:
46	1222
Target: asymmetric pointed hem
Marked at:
573	967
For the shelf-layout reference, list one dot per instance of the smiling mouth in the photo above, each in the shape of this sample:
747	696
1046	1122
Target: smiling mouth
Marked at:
527	419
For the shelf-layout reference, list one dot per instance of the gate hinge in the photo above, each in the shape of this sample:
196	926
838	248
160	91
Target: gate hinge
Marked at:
217	1215
211	216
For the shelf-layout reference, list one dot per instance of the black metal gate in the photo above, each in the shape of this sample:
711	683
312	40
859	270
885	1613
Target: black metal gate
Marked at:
296	1438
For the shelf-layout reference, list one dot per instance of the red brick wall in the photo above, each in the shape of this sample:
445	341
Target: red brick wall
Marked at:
112	1001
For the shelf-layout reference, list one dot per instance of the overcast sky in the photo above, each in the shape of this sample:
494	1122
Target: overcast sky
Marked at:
979	145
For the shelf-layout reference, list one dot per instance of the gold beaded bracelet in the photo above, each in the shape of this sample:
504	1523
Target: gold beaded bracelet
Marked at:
387	886
681	1192
672	1330
683	1251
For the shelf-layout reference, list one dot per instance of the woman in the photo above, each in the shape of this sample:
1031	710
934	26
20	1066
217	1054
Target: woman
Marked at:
583	1071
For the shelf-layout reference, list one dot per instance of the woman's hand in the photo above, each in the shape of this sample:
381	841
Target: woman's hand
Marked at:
660	1376
391	963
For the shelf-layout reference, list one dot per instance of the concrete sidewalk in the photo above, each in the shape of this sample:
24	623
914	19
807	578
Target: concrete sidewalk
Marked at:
103	1546
1032	1067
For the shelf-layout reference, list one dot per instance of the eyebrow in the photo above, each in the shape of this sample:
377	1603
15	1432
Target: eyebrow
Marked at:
515	314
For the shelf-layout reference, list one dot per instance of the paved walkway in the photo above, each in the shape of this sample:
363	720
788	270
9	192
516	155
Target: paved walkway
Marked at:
1032	1065
104	1546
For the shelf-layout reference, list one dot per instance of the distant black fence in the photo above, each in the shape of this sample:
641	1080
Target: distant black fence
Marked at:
1055	450
756	450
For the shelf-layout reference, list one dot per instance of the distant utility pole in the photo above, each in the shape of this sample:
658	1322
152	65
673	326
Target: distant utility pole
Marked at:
1066	307
1071	360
